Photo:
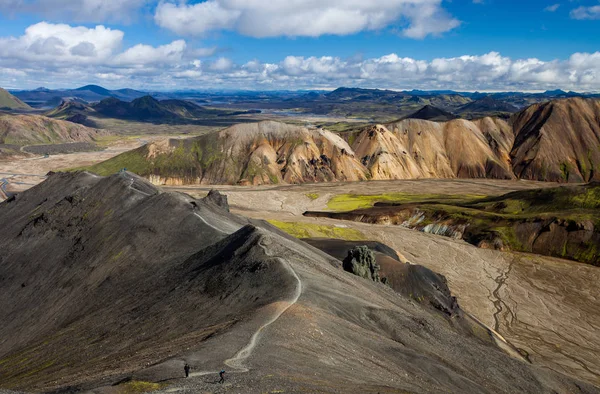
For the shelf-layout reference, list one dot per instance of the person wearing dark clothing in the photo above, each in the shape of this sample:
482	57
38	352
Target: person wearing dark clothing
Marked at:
222	375
187	368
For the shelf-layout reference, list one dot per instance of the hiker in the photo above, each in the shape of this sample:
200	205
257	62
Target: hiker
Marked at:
222	375
186	368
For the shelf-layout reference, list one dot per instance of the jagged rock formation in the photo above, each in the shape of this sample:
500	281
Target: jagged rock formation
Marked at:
557	141
216	198
360	261
89	265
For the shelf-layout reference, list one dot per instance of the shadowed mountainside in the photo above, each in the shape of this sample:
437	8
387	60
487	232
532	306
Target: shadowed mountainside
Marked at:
142	109
92	265
429	112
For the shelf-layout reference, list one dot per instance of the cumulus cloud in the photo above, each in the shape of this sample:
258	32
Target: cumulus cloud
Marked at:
145	54
60	43
61	56
312	18
552	8
586	12
77	10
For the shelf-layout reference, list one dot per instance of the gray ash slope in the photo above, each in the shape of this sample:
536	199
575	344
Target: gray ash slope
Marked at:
105	279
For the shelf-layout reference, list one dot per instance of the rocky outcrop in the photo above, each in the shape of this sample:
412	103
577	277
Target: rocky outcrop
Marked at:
360	261
214	197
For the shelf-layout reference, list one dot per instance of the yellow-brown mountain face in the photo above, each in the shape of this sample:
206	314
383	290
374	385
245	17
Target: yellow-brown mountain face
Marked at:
555	141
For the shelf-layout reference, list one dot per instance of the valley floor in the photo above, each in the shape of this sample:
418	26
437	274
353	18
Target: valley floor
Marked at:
547	307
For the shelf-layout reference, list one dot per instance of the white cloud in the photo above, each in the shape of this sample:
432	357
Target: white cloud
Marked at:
312	18
145	54
586	12
59	43
552	8
221	64
77	10
58	55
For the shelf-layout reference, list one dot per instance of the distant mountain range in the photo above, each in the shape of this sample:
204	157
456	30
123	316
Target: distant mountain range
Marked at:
142	109
42	97
370	105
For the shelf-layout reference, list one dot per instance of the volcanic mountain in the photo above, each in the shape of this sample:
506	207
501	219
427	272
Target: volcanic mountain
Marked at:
8	101
107	280
429	112
142	109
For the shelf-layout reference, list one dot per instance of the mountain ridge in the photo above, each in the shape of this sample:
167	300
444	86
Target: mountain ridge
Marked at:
106	258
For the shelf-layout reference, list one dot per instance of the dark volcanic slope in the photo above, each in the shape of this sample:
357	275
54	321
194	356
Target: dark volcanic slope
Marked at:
429	112
105	278
486	105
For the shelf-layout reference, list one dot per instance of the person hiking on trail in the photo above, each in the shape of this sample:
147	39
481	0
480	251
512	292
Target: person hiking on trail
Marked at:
222	375
187	368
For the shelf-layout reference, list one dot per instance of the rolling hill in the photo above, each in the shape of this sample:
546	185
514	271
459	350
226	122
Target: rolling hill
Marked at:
35	129
8	101
92	264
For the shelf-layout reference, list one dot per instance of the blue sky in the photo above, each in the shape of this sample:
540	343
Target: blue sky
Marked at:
488	45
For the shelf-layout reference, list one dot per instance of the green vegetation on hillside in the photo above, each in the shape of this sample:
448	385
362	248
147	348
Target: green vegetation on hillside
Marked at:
350	202
134	160
9	101
569	216
137	386
309	230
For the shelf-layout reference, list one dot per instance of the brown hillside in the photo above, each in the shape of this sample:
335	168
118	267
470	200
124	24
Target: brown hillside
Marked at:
459	148
558	141
35	129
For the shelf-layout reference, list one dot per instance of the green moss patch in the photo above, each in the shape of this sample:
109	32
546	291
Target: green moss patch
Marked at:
137	386
310	230
350	202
